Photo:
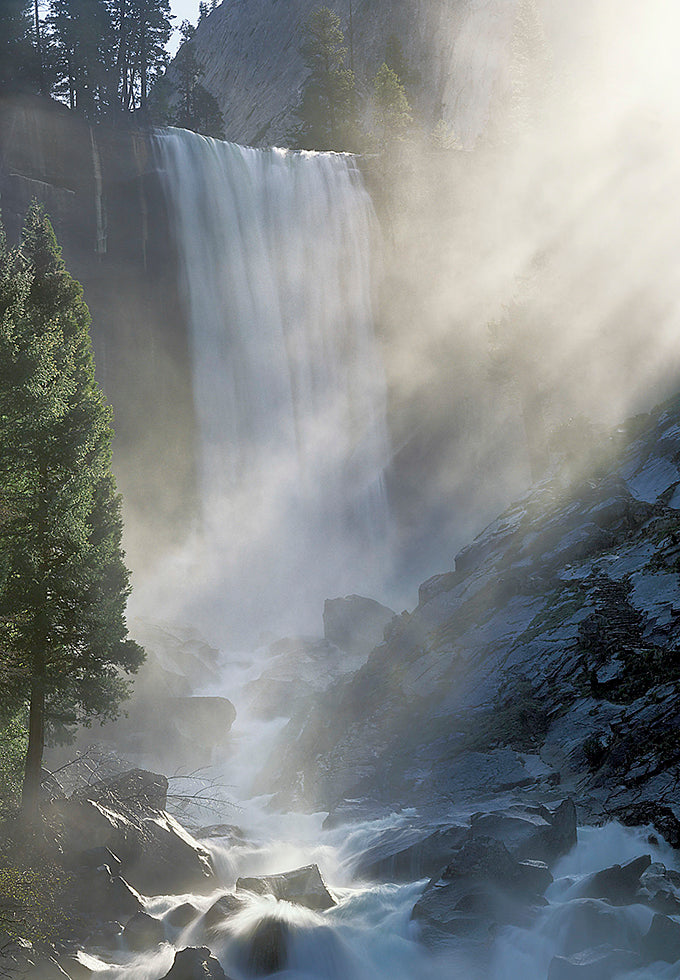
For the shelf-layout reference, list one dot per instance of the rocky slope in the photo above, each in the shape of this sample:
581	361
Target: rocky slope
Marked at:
547	656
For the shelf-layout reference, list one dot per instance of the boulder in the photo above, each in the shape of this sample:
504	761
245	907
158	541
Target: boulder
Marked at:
406	854
75	968
221	910
600	963
182	915
530	831
157	855
660	889
483	886
265	948
662	942
195	963
95	859
142	932
356	624
303	886
137	789
619	885
662	818
588	923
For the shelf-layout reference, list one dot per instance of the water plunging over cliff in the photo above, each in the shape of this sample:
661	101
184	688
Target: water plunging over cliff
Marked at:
275	250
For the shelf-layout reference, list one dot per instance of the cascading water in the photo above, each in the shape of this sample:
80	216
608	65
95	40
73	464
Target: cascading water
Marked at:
275	251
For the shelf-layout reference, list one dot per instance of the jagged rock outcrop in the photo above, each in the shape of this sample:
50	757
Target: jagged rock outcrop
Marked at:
547	656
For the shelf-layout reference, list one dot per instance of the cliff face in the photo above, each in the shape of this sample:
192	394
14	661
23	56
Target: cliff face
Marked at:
101	189
249	50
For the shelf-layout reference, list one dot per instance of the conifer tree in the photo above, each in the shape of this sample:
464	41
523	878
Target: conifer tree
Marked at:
63	583
391	111
327	111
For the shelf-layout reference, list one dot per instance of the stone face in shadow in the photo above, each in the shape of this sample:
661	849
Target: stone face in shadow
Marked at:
303	886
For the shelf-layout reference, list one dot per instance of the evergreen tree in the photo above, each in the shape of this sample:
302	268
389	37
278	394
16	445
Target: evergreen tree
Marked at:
63	584
85	41
327	111
196	109
391	111
19	61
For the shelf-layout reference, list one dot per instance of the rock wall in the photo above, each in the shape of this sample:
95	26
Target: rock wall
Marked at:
101	189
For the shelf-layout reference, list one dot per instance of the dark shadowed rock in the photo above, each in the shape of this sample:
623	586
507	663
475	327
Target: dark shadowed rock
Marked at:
410	853
221	910
530	831
75	969
355	624
587	923
265	948
143	932
619	884
662	818
662	942
601	963
157	854
182	915
483	886
95	859
303	886
195	963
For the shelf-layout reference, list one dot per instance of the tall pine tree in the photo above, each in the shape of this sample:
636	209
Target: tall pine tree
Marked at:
63	583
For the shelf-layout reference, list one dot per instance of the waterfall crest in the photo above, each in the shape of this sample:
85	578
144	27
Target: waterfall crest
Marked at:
275	250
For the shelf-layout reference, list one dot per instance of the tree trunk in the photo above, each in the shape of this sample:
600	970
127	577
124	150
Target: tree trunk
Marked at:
38	45
30	794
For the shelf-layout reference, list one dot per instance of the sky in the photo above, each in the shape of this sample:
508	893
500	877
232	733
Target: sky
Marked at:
183	10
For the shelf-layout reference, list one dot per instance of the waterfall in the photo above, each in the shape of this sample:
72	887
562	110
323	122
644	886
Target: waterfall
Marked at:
275	250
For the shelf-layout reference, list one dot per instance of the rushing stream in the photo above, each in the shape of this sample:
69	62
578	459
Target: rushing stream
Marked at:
369	934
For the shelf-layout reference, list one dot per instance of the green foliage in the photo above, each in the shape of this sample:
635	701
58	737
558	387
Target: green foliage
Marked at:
196	108
328	108
19	68
63	584
391	111
396	60
13	744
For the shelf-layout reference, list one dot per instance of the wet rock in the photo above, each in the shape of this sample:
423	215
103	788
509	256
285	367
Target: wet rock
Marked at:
157	854
356	624
221	910
108	895
265	949
182	915
484	885
106	936
75	969
406	854
662	818
662	942
660	889
619	885
601	963
195	963
303	886
143	932
95	859
530	831
587	923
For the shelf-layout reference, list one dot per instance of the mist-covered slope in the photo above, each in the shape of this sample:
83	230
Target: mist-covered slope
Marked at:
547	657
